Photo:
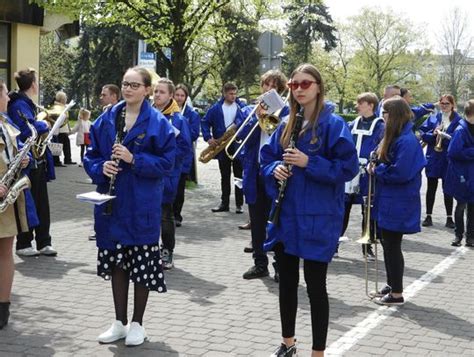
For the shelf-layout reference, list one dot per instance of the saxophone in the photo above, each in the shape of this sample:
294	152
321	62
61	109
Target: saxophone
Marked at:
11	179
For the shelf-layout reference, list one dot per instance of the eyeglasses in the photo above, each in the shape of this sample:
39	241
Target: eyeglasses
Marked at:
303	84
445	103
133	85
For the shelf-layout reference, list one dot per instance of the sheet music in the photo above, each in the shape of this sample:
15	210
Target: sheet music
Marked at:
94	197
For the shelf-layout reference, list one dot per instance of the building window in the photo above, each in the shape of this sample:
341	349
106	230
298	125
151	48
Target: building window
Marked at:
5	52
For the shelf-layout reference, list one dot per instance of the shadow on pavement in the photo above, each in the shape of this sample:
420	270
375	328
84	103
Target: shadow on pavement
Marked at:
149	348
46	267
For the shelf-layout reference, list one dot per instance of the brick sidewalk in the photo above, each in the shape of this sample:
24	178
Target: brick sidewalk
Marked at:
59	305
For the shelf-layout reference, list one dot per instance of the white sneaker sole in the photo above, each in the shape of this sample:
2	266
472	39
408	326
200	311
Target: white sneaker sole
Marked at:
134	343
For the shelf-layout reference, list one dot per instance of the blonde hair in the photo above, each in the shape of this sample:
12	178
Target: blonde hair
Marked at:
84	114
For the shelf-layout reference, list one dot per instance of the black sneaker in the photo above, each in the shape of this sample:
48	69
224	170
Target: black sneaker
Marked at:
4	314
221	208
457	242
389	300
284	351
249	248
450	223
239	210
428	222
370	252
276	277
382	292
469	243
256	272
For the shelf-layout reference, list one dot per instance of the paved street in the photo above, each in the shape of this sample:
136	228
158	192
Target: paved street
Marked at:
59	305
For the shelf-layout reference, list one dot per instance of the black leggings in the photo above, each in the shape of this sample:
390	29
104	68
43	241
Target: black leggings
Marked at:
393	257
431	194
315	276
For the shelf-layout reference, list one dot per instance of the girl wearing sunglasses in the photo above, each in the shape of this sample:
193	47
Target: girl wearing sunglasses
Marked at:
312	210
442	125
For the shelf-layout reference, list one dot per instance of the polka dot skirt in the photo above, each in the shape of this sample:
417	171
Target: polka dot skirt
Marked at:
143	263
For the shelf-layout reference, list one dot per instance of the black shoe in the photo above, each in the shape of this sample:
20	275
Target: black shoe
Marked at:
92	236
449	223
59	164
389	300
256	272
382	292
220	208
276	277
70	162
239	210
427	222
249	249
245	226
284	351
178	223
4	314
469	243
457	242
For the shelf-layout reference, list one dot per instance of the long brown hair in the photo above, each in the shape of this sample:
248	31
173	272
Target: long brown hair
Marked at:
451	100
399	113
295	107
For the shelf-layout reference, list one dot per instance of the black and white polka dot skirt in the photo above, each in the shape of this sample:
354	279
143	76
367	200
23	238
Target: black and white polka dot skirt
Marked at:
143	263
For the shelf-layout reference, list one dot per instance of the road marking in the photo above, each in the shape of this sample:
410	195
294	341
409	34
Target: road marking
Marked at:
351	337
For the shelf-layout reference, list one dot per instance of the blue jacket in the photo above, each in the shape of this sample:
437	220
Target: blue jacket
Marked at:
419	111
437	161
214	120
136	214
194	121
21	102
313	208
249	154
369	144
183	151
459	180
397	205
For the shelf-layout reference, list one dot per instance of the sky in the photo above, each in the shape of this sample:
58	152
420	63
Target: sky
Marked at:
426	14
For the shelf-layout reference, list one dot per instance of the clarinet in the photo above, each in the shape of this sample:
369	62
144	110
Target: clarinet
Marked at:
275	213
119	126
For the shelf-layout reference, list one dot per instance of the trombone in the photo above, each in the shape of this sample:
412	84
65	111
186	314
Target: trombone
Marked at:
366	239
267	122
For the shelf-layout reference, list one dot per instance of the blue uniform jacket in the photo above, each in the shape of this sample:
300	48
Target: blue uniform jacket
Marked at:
437	161
459	180
136	214
194	121
214	119
183	150
369	144
419	111
249	154
397	205
21	102
313	207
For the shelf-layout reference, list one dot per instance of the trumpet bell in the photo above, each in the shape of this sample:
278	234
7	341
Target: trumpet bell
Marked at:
269	123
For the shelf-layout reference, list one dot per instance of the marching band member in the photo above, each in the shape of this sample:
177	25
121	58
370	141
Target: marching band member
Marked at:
438	130
21	103
193	118
163	100
459	180
418	111
17	217
222	115
312	210
389	91
109	96
397	193
367	131
63	131
253	182
127	237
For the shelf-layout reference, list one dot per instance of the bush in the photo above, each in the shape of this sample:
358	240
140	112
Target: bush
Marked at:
348	117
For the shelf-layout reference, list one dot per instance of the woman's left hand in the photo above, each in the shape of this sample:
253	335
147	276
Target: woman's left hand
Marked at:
371	168
25	162
295	157
121	152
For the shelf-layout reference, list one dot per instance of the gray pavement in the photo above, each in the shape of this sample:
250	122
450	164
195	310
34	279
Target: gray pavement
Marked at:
59	305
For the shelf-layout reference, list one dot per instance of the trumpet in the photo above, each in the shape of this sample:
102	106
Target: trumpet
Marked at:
439	141
268	122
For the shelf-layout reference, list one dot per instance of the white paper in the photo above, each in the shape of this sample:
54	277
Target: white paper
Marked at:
271	101
238	182
94	197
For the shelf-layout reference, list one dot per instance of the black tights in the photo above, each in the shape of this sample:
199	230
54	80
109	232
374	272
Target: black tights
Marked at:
315	276
393	257
431	194
120	282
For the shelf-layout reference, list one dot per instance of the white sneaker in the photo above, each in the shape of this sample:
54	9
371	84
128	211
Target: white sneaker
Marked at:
136	335
27	252
48	251
116	332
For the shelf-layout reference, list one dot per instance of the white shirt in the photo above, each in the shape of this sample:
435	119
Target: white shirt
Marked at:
445	121
229	111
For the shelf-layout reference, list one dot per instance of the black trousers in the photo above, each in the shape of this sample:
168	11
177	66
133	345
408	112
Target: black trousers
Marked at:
167	226
259	212
315	276
431	194
179	200
462	208
83	150
39	191
63	138
393	257
347	213
225	167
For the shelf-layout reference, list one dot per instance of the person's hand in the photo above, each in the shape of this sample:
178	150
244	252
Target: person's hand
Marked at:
371	168
295	157
281	173
212	142
3	190
121	152
25	162
110	168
